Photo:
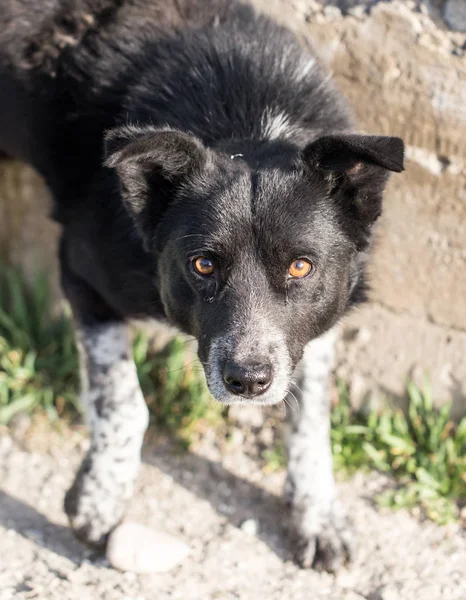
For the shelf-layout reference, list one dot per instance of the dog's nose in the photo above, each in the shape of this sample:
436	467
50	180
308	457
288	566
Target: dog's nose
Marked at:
247	380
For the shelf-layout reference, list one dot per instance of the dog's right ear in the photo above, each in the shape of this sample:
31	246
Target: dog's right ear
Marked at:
151	163
358	167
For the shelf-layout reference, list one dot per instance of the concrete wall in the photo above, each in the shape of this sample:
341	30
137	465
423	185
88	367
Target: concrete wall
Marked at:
403	68
27	236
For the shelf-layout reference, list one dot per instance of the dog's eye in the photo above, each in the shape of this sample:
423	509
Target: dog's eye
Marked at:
203	266
300	268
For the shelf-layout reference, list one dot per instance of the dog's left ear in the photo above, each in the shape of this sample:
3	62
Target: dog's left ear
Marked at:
151	164
358	166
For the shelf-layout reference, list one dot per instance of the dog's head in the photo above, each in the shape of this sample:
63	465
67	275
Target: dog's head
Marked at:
259	245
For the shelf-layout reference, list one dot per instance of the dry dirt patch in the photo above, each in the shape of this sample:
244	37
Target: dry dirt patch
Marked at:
204	498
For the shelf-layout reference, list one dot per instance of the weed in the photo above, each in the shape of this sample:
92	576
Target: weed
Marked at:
38	362
424	450
174	387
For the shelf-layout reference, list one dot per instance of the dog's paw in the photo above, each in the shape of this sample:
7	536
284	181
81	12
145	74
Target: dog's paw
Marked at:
93	507
326	543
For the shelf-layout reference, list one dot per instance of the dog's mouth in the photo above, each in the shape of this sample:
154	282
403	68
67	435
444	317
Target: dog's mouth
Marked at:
232	379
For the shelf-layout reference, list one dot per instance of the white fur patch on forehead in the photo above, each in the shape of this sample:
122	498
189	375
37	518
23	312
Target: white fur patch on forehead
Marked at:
304	68
276	124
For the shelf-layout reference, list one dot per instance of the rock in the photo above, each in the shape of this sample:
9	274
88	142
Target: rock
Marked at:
454	14
389	593
226	509
332	13
250	526
136	548
352	596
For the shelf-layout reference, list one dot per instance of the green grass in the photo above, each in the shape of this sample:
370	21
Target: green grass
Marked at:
424	450
39	364
38	360
173	384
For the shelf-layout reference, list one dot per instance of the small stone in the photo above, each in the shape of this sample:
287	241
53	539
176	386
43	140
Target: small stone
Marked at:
358	12
136	548
332	13
352	596
454	14
226	509
364	336
250	526
389	593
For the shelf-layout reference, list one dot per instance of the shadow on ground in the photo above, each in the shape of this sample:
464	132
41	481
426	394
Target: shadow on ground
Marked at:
229	495
33	525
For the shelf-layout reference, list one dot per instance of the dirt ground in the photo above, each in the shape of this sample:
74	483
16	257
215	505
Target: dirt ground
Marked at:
204	498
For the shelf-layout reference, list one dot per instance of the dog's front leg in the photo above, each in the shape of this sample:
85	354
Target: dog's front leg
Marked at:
118	417
321	534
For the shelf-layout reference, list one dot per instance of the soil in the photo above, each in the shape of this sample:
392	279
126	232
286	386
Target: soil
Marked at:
204	497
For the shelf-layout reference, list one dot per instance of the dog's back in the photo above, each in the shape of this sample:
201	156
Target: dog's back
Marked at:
214	68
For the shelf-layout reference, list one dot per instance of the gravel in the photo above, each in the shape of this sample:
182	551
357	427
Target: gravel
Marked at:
228	511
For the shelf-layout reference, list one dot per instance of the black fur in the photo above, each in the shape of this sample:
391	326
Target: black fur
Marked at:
176	89
74	70
173	129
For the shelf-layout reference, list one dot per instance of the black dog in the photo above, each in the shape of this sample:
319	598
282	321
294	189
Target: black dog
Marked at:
205	172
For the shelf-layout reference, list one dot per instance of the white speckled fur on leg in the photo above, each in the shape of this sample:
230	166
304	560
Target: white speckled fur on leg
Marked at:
321	534
117	415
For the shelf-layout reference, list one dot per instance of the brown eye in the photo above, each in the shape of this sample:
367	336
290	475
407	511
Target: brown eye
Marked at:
203	266
300	268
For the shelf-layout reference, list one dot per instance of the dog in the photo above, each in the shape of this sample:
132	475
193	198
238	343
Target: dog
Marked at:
206	173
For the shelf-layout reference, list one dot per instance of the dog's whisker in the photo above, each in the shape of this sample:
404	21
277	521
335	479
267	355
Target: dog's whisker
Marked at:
293	382
296	386
298	408
287	403
195	361
192	366
189	235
